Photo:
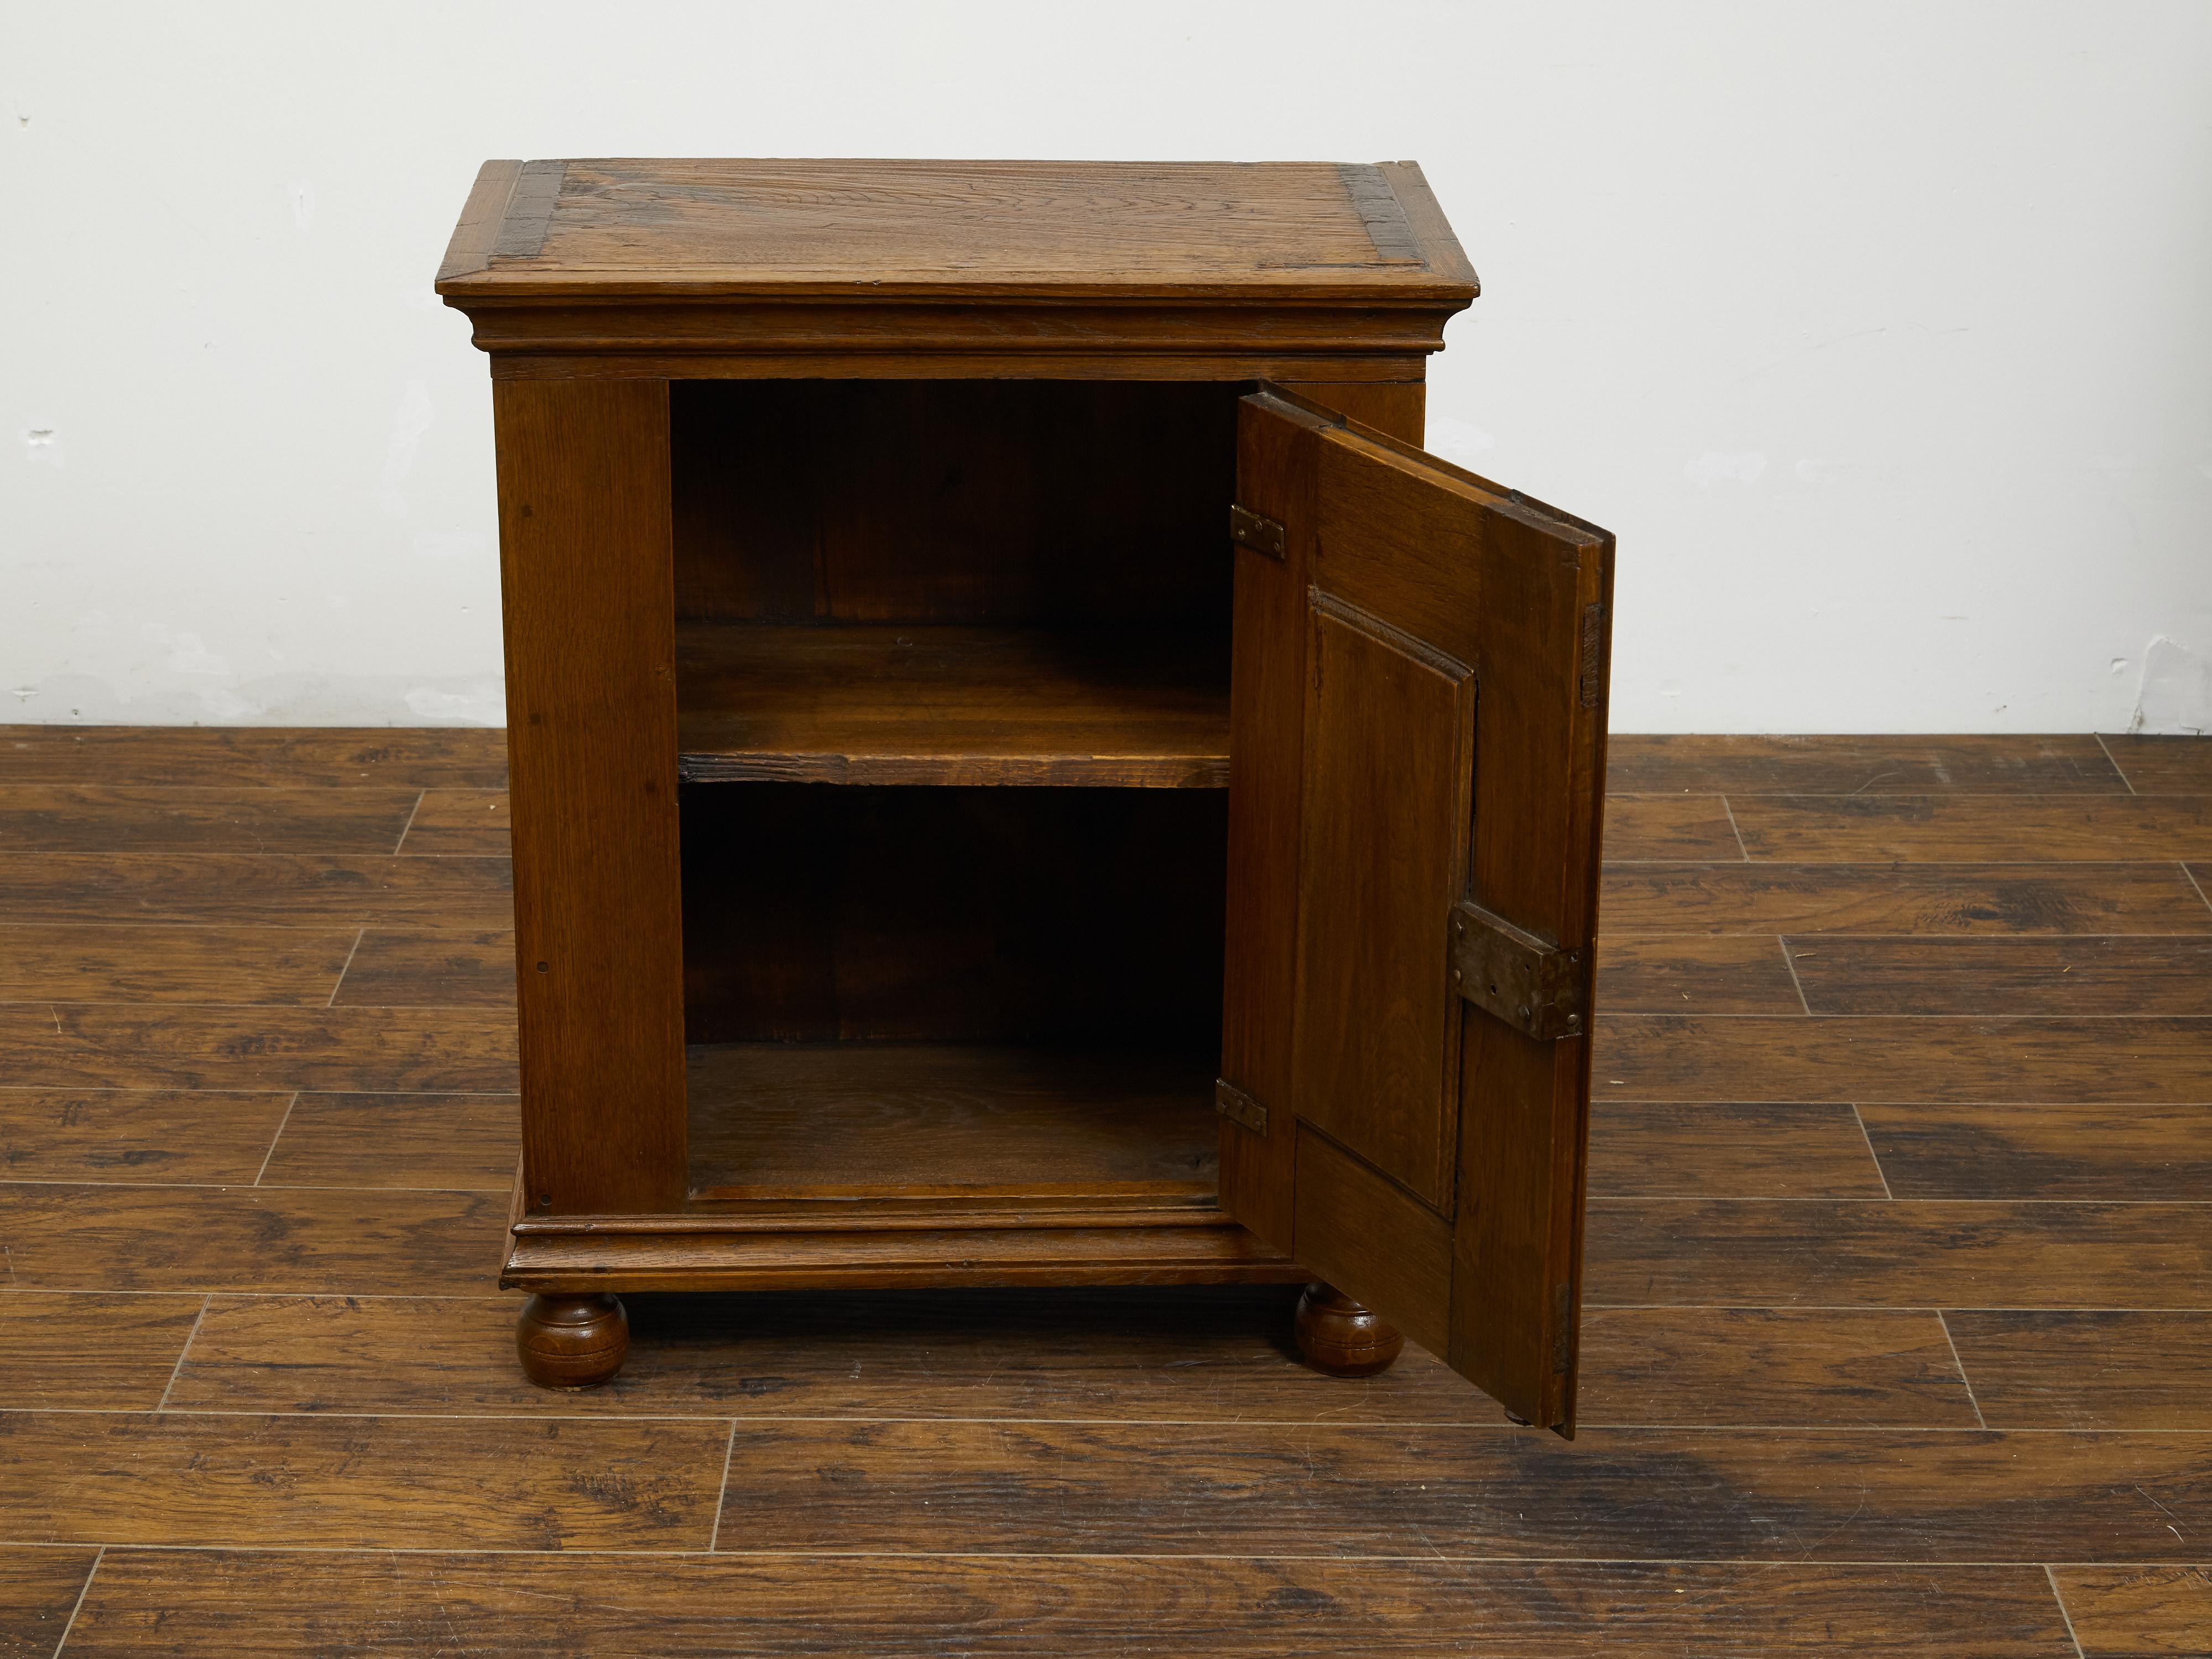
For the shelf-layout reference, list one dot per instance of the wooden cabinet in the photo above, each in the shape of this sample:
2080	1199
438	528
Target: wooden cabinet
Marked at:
1023	772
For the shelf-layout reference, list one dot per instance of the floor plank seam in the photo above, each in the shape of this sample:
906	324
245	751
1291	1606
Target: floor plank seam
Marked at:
1865	1136
722	1489
177	1369
78	1606
2126	782
1485	1425
1766	1563
274	1138
1782	944
2059	1596
400	845
2190	876
346	968
1964	1381
1742	847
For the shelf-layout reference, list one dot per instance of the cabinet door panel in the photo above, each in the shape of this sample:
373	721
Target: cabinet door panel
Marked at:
1382	855
1420	1138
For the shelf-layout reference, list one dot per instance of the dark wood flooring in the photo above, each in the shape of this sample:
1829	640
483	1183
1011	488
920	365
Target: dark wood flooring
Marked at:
1900	1270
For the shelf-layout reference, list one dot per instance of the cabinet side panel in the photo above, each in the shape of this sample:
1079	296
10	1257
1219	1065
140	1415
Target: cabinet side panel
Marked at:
587	572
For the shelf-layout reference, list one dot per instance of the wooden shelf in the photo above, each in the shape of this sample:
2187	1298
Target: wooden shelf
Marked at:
932	704
774	1122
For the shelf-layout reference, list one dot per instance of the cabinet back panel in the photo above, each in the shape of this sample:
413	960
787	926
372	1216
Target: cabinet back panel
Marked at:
1052	501
828	913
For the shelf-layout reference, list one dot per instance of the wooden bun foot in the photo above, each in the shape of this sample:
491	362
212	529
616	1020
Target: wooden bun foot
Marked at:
572	1341
1341	1337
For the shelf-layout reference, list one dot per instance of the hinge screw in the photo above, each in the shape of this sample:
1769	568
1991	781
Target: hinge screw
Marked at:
1524	1010
1457	976
1574	1022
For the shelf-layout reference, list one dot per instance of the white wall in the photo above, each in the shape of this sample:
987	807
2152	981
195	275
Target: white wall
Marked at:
1881	334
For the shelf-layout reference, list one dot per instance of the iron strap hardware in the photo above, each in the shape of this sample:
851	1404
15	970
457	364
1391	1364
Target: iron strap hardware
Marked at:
1534	987
1233	1103
1249	529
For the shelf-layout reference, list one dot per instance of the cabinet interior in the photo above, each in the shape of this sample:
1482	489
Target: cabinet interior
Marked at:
952	689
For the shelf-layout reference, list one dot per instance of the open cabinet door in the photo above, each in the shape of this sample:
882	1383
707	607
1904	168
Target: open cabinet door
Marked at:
1416	775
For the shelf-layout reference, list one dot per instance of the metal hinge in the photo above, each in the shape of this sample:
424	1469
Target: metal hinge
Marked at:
1233	1103
1505	970
1260	534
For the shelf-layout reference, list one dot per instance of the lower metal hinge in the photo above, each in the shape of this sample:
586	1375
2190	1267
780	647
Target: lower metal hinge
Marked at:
1252	530
1536	987
1233	1103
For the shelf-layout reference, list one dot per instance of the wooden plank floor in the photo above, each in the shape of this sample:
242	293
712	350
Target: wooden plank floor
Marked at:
1900	1270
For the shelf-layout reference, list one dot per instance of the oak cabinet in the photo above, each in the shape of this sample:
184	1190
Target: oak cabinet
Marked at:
1023	772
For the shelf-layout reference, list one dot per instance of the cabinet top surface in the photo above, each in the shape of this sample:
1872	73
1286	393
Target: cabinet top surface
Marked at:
615	229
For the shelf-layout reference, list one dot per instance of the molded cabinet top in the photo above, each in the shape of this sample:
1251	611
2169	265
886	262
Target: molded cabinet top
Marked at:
1217	231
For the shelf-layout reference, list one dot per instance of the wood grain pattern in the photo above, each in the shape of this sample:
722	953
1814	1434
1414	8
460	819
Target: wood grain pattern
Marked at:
74	818
256	756
359	1483
1375	1033
158	1135
1867	765
303	1322
1729	1150
86	1350
2044	1150
473	822
1275	477
1420	570
1903	899
1654	1057
1693	974
1399	408
1206	1354
1674	1494
155	1239
2147	975
1200	1355
896	343
1909	1252
2042	1369
1641	829
1772	1367
2138	1612
1969	828
463	1142
948	705
993	502
587	585
39	1591
971	229
259	1605
93	962
1122	1242
418	968
2163	766
772	1121
168	1046
236	889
